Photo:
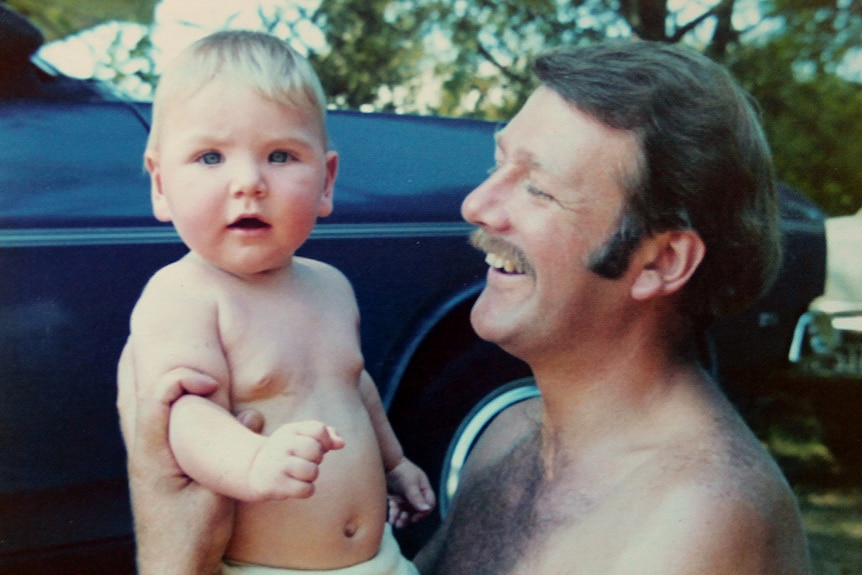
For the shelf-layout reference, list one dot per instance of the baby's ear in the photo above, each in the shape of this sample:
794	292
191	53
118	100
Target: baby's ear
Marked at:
326	203
671	259
161	210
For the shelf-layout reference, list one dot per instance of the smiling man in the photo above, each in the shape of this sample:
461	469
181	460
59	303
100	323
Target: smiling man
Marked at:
632	204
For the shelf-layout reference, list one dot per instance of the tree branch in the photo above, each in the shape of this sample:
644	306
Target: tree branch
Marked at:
689	26
503	69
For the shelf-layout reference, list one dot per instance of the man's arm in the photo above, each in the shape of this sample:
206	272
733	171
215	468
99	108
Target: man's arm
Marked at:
181	528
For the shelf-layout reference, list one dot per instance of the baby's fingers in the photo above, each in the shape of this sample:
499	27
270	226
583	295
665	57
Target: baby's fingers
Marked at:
326	435
300	469
420	496
307	440
291	477
397	516
335	441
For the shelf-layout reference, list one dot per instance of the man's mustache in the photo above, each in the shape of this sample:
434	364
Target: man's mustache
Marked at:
480	240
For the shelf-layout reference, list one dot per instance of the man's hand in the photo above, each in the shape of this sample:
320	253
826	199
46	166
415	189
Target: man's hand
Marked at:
289	461
410	495
181	527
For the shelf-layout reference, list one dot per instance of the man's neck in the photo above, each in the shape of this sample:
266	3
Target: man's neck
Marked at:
598	403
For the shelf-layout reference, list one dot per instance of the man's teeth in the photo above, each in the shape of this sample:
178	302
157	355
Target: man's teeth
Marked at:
501	263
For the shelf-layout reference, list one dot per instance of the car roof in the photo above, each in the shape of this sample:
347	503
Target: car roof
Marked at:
80	164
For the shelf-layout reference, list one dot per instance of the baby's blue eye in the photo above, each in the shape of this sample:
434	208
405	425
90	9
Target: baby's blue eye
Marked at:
211	158
279	157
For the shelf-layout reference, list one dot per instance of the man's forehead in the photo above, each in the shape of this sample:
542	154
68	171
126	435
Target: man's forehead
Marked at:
527	148
553	134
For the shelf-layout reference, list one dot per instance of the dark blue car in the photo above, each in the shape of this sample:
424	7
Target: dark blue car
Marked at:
78	242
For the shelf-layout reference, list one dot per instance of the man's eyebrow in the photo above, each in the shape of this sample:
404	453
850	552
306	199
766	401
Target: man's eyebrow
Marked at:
522	157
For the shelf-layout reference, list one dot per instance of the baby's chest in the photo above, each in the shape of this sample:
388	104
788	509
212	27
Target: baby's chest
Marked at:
279	351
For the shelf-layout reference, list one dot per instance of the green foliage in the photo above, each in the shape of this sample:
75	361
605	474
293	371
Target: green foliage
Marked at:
787	59
487	45
811	115
814	125
60	18
368	52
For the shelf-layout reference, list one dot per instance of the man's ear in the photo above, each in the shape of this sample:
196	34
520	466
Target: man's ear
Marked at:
326	204
161	209
671	259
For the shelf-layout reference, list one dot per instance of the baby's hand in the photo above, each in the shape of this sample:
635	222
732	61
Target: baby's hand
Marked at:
410	495
288	462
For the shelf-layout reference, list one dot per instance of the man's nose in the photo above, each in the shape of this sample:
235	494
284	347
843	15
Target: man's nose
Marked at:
248	180
485	206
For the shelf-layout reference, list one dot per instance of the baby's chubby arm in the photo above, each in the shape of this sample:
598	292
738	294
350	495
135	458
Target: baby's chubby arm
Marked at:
411	496
214	449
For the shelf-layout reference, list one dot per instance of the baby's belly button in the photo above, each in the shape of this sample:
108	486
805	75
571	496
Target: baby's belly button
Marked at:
361	531
350	529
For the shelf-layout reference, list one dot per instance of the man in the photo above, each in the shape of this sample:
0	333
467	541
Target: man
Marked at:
632	204
634	201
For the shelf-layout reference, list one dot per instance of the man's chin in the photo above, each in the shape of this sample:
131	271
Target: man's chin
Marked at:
491	326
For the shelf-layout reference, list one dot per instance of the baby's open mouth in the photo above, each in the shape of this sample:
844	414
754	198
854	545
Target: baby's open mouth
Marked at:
249	224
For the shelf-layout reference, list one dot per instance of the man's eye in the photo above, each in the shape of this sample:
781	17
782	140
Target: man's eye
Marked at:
534	191
279	157
210	158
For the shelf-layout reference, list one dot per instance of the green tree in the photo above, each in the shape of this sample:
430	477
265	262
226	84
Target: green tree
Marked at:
785	52
60	18
490	42
369	53
813	120
812	115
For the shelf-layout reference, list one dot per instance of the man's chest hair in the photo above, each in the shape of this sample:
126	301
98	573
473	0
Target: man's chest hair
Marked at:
499	516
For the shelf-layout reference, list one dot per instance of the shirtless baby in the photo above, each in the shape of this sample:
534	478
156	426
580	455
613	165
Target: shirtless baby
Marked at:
239	162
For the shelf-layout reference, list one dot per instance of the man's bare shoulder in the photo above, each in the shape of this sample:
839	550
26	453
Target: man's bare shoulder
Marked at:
703	497
694	508
720	501
720	526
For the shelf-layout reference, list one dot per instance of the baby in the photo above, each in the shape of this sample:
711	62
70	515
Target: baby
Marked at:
239	162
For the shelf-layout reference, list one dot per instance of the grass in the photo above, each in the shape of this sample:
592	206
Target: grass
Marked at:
833	520
829	495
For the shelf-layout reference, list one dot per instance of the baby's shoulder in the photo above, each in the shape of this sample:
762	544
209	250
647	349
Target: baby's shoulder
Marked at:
178	272
183	284
323	278
318	269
